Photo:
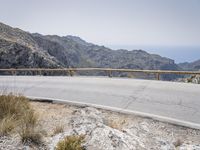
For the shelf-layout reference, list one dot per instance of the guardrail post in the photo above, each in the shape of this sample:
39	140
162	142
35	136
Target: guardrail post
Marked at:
40	72
110	73
13	72
71	73
158	76
67	72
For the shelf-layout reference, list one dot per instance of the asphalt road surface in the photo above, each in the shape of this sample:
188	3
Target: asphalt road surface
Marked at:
171	100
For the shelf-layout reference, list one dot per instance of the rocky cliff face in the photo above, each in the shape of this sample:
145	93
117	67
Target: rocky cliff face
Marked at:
20	49
14	55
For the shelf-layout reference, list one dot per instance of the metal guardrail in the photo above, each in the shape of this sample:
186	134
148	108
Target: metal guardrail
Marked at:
108	70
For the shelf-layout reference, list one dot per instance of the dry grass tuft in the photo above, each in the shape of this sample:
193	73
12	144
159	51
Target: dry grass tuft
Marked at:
178	143
7	124
116	124
30	119
12	109
28	128
58	129
130	75
73	142
16	112
30	135
14	106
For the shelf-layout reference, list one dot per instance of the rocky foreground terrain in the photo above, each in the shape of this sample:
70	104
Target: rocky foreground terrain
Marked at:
105	130
192	79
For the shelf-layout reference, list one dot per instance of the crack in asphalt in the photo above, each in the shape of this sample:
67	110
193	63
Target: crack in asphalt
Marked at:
134	98
180	103
142	89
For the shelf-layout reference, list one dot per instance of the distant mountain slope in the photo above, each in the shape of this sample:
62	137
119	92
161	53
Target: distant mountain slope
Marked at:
190	66
14	55
18	49
22	49
86	54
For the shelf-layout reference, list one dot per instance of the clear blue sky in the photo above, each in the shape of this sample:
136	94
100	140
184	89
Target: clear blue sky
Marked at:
171	23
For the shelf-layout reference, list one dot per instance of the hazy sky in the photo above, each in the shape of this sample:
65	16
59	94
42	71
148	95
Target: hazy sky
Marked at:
109	22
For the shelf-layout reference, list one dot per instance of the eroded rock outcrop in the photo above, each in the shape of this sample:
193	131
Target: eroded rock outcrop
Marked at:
100	136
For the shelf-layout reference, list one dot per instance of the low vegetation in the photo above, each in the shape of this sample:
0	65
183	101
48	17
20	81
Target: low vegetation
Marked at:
6	125
116	123
28	128
58	129
178	143
16	113
13	106
73	142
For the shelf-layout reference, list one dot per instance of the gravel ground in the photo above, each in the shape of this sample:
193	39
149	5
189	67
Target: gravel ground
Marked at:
105	130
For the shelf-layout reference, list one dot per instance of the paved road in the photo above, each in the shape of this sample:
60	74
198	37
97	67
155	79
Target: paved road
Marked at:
168	100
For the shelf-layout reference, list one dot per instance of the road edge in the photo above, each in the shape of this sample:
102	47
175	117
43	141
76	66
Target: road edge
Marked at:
130	112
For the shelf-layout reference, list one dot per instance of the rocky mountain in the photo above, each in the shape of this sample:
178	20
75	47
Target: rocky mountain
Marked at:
20	49
190	66
85	54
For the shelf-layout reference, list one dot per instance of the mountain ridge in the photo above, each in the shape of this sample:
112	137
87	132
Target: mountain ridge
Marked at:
195	65
55	51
